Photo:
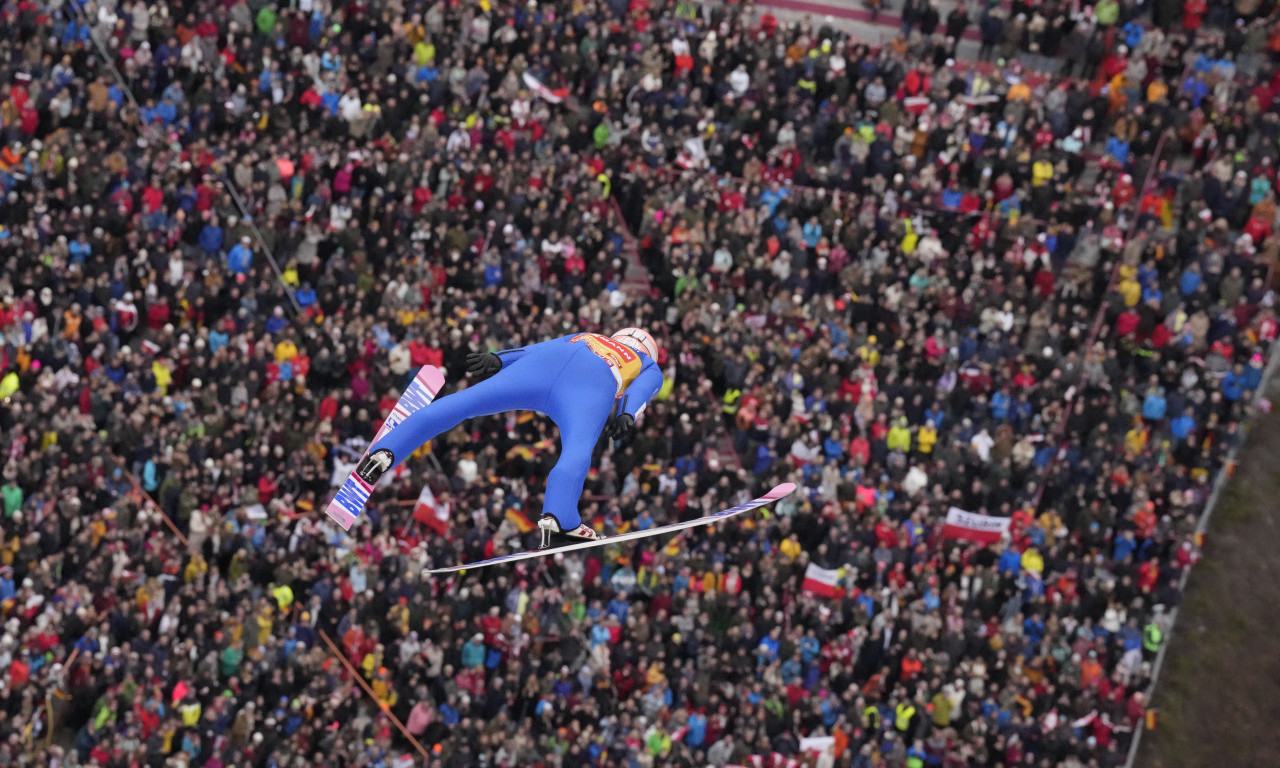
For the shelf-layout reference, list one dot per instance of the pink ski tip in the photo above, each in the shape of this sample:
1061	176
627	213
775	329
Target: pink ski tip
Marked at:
432	377
340	516
778	492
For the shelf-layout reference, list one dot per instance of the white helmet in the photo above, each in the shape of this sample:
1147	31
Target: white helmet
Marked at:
638	339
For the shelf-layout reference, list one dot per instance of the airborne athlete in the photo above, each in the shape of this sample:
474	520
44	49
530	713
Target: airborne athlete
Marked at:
584	382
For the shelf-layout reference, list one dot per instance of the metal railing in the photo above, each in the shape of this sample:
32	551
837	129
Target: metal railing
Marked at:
1202	527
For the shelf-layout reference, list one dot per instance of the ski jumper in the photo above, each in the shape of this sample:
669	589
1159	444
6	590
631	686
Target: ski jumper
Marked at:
576	380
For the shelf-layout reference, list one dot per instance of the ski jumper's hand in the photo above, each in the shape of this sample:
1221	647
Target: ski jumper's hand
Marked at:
623	427
482	365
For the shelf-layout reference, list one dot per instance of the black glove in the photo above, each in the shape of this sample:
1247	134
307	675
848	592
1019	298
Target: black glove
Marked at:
623	427
482	365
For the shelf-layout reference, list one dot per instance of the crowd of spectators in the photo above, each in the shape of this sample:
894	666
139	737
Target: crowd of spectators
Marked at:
1036	288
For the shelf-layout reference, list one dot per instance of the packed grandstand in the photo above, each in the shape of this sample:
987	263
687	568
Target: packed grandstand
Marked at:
1035	286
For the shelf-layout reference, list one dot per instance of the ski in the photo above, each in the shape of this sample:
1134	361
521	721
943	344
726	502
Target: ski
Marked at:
348	503
773	495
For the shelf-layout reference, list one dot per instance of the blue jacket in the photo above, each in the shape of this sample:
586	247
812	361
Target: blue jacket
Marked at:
1000	406
1153	406
211	238
1189	282
1252	377
239	259
1010	562
472	654
1132	34
697	730
1233	386
1118	148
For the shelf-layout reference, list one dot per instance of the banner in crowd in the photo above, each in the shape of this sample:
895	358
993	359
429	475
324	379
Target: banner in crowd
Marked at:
518	519
429	513
817	744
772	760
822	581
971	527
537	86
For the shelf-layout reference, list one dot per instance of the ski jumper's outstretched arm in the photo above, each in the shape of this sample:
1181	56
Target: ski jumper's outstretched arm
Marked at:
638	394
482	365
509	356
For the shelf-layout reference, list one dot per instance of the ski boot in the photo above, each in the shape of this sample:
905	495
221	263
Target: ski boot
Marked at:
550	528
374	466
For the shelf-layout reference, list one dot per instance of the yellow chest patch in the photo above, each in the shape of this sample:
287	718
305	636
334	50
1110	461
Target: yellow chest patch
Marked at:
623	362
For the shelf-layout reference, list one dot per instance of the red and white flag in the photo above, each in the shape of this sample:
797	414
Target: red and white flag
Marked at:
555	96
971	527
817	744
431	513
821	581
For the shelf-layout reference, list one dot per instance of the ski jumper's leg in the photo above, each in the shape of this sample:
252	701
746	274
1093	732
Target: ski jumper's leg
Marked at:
508	390
564	485
580	404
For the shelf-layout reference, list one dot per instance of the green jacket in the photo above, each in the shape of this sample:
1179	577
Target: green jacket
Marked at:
658	743
1106	12
266	21
13	498
1152	637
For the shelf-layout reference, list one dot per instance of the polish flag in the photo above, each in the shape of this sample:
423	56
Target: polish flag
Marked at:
821	581
971	527
431	514
555	96
817	744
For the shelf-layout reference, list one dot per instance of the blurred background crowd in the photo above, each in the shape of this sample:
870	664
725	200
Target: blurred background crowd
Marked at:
1036	285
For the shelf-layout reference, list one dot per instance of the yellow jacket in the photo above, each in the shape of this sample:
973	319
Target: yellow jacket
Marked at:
163	377
8	385
1033	561
1135	439
926	438
1131	291
899	438
1041	173
286	350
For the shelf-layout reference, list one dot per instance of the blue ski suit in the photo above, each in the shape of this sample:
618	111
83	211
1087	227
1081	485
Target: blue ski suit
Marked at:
577	380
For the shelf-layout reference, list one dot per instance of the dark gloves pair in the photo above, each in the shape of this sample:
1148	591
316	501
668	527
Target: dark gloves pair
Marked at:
482	365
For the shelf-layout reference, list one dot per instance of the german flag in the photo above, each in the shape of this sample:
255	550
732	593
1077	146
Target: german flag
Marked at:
518	519
521	451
